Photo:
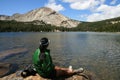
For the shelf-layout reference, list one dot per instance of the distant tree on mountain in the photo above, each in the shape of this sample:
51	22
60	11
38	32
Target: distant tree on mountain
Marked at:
110	25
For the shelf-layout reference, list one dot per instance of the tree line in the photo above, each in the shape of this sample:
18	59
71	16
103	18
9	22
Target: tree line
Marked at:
14	26
110	25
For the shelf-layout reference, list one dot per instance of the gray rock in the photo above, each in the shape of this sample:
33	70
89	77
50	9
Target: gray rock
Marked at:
45	14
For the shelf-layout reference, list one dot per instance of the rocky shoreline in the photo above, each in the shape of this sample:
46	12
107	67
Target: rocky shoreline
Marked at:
9	71
16	75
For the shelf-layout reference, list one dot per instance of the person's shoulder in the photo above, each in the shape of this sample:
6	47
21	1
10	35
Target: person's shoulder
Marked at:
37	50
48	50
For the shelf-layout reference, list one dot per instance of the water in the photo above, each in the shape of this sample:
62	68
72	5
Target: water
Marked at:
96	52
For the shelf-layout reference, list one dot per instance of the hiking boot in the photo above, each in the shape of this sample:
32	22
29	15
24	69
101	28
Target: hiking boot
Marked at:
25	73
79	70
28	71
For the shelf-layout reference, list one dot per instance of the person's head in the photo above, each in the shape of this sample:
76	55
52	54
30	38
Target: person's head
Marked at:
44	42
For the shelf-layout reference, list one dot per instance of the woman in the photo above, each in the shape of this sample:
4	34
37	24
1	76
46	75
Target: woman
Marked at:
43	63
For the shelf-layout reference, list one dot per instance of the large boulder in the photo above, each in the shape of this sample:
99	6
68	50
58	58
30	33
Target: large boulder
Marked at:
82	76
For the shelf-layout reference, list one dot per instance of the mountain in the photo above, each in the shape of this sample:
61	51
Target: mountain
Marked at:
4	17
44	14
108	25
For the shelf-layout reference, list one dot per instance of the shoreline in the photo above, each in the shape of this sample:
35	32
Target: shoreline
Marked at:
82	76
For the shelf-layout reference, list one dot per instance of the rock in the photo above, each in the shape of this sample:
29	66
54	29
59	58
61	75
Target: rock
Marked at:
37	77
6	69
11	52
82	76
4	17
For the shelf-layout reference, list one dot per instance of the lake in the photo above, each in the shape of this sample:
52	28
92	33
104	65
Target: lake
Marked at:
94	51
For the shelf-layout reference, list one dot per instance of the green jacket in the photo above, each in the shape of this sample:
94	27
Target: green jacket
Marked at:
45	67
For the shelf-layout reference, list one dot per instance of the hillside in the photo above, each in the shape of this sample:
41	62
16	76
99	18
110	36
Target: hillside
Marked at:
44	14
109	25
14	26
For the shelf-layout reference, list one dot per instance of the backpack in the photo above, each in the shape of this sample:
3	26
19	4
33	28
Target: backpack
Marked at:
43	63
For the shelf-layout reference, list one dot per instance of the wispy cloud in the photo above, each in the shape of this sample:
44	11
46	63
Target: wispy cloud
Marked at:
53	5
98	8
83	4
104	12
113	2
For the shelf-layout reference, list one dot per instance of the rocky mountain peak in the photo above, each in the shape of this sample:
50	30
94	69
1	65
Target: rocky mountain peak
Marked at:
45	14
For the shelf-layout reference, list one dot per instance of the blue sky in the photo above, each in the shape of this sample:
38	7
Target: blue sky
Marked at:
82	10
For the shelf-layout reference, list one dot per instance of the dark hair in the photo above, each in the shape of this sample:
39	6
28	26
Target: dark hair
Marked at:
44	42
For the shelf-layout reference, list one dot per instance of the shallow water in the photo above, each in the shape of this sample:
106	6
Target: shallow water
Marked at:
96	52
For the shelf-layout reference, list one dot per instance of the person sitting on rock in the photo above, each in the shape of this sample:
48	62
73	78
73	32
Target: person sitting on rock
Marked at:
44	66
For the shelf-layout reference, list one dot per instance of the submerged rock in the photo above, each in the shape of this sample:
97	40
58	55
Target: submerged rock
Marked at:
9	53
6	69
